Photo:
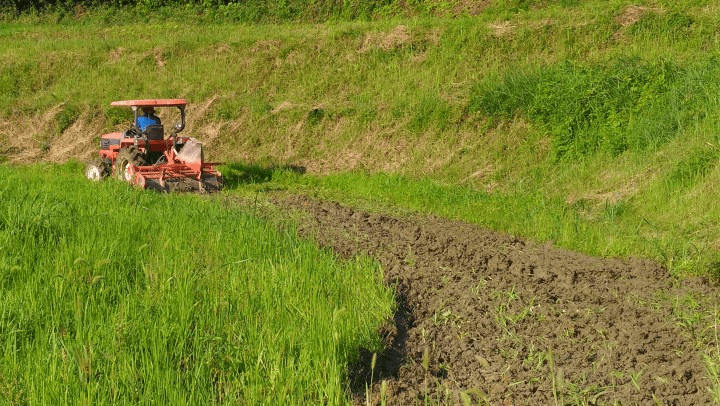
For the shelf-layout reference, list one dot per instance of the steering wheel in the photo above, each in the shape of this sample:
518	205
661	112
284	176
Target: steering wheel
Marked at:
133	132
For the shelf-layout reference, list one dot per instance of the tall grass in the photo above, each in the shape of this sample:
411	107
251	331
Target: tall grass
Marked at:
628	104
116	296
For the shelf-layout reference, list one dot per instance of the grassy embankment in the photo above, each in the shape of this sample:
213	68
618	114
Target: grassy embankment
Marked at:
114	296
593	124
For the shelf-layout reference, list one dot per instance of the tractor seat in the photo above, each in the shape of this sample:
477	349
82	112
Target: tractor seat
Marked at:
154	132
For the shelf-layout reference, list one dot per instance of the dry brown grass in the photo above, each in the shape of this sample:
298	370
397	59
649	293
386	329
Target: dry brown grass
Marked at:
26	135
78	140
158	54
502	28
615	187
116	54
394	39
633	14
31	139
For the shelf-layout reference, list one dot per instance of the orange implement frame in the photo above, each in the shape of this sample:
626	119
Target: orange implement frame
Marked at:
185	170
200	176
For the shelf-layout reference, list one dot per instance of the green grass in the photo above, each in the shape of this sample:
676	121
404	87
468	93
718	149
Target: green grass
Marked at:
627	105
116	296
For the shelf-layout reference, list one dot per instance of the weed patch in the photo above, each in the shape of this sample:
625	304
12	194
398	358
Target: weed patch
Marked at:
628	104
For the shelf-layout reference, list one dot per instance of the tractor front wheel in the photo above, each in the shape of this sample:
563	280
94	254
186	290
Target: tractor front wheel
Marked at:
125	158
96	170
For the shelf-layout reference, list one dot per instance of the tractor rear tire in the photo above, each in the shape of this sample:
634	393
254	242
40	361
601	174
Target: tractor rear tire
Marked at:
126	157
97	170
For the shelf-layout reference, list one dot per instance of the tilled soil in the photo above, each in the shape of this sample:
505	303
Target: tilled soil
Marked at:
486	317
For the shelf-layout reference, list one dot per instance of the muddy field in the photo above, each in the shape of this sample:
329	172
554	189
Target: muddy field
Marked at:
490	318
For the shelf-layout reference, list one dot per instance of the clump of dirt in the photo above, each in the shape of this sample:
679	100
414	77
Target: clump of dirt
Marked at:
489	317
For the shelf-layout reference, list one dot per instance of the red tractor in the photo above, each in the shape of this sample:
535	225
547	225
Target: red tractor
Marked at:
150	160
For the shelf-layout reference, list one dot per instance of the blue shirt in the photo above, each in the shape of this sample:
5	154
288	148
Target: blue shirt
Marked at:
144	121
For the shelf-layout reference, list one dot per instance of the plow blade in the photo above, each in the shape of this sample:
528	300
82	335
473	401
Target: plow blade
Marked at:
177	178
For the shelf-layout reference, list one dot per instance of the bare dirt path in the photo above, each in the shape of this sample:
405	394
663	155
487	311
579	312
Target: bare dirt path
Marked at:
487	316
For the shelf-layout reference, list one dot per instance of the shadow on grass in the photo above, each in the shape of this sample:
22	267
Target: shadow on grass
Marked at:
363	375
237	174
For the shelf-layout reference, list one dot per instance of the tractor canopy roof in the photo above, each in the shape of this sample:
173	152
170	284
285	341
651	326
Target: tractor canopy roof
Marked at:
151	103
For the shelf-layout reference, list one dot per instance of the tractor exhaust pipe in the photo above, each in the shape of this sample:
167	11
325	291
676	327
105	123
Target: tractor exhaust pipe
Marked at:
178	127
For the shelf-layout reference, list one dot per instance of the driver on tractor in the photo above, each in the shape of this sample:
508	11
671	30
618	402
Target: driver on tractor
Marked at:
148	118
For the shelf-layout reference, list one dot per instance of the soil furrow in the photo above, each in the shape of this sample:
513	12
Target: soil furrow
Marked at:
489	317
